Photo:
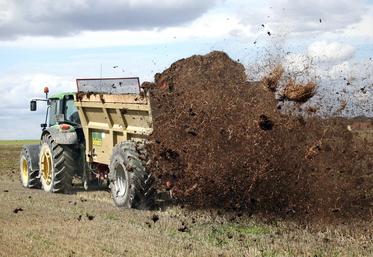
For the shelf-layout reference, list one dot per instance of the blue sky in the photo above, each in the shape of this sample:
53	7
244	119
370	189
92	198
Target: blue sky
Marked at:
54	42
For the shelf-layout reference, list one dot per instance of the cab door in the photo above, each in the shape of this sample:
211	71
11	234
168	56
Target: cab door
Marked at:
70	111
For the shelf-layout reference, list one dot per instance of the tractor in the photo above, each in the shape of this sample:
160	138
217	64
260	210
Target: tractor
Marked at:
97	134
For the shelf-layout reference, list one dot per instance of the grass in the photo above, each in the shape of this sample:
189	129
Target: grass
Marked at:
49	225
221	235
18	142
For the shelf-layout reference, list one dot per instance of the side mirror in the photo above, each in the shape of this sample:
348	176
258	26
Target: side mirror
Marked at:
33	105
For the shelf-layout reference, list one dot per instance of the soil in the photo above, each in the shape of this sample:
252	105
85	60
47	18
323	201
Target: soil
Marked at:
65	228
220	141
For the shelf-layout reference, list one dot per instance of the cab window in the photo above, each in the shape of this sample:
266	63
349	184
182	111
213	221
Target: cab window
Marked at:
70	110
53	109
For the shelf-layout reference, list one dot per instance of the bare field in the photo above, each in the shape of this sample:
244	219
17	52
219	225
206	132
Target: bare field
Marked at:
34	223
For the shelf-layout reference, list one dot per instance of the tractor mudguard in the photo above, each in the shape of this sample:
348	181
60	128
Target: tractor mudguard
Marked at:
62	137
33	151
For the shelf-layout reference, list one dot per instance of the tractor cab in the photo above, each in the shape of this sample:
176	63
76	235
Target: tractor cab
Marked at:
60	110
63	110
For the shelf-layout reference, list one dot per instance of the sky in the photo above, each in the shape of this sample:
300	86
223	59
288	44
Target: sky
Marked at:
51	43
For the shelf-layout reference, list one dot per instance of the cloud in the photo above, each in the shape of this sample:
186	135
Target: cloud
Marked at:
330	52
60	17
363	28
358	73
303	17
210	26
331	63
17	90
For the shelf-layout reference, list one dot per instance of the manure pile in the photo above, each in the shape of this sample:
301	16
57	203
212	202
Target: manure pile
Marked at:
220	141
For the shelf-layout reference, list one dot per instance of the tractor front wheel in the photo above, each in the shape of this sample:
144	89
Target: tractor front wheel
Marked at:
57	164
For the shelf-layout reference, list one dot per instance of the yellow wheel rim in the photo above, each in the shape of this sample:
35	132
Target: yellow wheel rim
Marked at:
24	170
46	167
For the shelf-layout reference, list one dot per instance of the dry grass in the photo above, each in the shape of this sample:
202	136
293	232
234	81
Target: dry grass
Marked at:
49	225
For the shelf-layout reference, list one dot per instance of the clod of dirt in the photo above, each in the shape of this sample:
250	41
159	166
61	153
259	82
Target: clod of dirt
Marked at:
271	81
326	240
147	85
312	109
298	92
16	210
265	123
148	224
183	228
241	237
188	247
79	218
155	218
191	131
233	218
83	200
90	217
71	253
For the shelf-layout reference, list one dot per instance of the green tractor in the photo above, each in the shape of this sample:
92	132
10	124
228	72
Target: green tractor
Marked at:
52	163
97	134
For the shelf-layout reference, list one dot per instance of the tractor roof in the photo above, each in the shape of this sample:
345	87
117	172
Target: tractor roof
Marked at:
60	96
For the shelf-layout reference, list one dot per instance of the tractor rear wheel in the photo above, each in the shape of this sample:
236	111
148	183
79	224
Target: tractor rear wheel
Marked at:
29	177
57	164
131	185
